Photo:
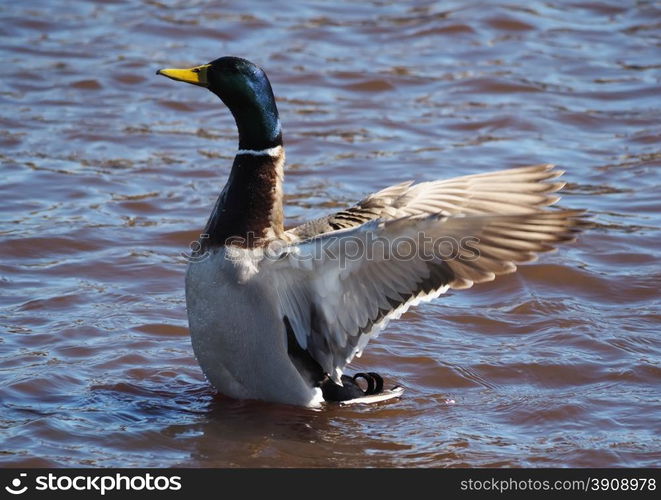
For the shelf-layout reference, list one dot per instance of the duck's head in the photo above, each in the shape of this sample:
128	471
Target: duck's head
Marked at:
245	90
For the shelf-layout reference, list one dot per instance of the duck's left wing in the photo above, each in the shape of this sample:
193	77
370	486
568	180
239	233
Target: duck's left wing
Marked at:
338	290
516	190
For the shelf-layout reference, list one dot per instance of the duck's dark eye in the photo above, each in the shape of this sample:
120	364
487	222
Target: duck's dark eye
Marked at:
196	70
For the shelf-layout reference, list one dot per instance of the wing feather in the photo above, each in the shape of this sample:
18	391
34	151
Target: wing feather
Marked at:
335	304
517	190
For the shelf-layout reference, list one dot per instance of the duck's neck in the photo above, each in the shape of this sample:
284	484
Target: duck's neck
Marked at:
256	116
259	126
249	211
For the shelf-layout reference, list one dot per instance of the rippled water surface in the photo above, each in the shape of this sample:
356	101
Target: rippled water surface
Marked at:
108	172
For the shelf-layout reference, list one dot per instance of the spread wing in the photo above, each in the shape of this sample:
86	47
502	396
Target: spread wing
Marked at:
517	189
338	289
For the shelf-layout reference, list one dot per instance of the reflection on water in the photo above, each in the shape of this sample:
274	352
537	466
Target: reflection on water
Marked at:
109	173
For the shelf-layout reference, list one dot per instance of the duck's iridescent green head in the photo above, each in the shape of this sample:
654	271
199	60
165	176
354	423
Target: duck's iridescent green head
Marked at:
245	90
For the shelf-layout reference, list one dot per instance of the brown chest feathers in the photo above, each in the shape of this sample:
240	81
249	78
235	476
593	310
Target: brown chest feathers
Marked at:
249	212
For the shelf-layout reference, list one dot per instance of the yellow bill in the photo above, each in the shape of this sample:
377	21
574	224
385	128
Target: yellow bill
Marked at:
196	75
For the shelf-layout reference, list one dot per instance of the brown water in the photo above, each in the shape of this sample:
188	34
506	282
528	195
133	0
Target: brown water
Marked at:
108	172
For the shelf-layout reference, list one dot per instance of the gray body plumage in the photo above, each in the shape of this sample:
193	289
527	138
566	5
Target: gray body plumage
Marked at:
237	334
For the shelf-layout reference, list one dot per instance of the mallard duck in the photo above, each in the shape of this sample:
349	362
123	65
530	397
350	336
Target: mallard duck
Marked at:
277	314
